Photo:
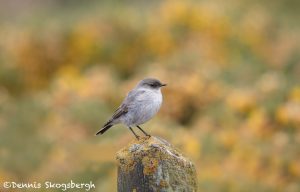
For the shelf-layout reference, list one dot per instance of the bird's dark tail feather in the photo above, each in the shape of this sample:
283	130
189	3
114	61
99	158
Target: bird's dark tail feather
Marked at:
104	128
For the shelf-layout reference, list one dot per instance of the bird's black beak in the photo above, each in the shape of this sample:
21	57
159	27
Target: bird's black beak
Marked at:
162	85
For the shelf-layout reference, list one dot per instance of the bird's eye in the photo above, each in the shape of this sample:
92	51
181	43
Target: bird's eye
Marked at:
152	85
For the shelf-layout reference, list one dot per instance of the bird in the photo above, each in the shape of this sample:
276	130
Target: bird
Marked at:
138	107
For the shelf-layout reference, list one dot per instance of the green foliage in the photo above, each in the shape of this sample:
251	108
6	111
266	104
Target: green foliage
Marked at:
21	136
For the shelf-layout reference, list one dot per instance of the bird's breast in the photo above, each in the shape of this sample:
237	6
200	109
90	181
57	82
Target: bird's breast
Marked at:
147	106
152	100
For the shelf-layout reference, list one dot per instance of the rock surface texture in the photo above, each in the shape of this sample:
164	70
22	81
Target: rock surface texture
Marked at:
152	164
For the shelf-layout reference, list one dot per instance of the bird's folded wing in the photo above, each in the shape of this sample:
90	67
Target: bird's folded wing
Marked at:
128	102
120	111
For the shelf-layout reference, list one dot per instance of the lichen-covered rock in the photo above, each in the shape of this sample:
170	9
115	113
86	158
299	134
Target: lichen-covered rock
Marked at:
152	164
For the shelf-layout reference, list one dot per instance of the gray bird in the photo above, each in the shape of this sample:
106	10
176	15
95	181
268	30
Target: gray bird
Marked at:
139	106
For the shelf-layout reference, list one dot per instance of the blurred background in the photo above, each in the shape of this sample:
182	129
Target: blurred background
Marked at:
232	104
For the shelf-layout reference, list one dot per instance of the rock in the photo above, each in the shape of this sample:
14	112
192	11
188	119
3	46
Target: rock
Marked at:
152	164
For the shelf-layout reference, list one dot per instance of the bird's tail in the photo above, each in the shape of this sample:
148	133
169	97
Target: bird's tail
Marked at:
105	128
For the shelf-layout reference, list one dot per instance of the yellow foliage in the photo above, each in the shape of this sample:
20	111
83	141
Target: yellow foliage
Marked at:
295	95
241	100
289	113
192	147
294	168
228	138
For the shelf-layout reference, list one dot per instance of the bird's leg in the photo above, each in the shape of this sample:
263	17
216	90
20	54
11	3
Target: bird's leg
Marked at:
143	131
137	137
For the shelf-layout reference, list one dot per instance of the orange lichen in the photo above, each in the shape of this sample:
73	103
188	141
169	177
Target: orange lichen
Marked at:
158	161
163	184
150	165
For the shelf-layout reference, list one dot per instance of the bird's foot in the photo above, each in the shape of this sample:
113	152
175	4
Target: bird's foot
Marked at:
137	137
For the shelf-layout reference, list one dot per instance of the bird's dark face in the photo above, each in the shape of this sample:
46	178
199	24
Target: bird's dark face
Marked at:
151	83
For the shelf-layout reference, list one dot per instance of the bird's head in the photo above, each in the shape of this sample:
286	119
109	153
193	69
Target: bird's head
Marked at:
150	83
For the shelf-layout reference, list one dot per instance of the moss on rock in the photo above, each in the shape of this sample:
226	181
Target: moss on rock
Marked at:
162	166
